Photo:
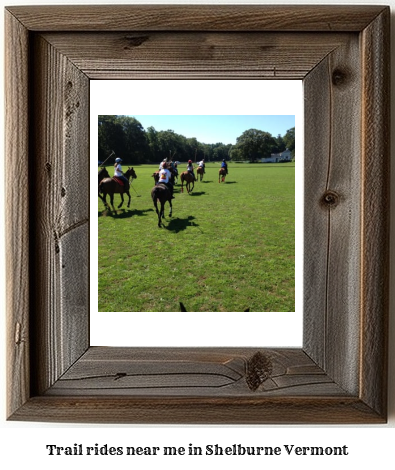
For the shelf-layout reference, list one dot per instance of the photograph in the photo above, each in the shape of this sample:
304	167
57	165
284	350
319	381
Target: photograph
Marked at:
221	187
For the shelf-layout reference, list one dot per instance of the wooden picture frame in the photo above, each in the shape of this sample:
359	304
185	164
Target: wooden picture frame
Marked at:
340	374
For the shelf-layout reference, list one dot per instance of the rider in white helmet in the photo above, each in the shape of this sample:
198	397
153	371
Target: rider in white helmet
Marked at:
118	173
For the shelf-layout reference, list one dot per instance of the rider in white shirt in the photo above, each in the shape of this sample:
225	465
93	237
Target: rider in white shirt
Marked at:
165	178
119	173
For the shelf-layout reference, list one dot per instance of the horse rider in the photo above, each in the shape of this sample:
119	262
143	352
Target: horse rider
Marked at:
190	169
224	165
118	173
162	162
202	165
165	178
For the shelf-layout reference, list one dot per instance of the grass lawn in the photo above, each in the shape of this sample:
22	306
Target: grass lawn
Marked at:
228	246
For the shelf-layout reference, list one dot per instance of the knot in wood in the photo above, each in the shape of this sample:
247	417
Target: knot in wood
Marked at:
340	77
259	369
330	199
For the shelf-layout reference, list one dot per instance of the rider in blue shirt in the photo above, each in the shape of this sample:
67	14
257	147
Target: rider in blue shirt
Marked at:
224	165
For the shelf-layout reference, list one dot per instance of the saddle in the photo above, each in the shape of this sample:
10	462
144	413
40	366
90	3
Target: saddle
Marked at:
120	182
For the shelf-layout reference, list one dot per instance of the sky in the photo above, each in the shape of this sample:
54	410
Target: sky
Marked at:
213	129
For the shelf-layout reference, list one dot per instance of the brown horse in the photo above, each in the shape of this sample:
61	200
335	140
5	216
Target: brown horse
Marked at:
111	186
161	193
200	171
222	173
188	178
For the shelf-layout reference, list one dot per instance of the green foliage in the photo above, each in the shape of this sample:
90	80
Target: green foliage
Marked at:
289	140
129	140
228	246
254	145
123	135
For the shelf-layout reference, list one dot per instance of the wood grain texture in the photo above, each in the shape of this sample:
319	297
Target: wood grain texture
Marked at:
376	210
333	214
195	55
196	17
191	372
17	213
339	376
60	248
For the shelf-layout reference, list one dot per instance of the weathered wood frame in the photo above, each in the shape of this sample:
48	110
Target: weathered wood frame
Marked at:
340	374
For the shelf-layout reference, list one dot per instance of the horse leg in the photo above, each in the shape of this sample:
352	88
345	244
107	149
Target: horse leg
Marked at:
120	205
157	211
161	213
112	201
171	208
128	193
103	200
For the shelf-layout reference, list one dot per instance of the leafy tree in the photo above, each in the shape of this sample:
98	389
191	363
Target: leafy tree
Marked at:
280	145
289	140
125	136
136	146
254	144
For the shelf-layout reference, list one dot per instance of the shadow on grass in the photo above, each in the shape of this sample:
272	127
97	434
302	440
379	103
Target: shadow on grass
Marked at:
197	193
124	213
177	225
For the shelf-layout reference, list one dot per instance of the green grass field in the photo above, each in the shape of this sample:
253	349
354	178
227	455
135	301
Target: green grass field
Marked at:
227	247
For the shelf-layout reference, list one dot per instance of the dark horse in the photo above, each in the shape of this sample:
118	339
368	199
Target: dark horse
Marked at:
200	171
222	172
188	178
161	193
111	186
103	173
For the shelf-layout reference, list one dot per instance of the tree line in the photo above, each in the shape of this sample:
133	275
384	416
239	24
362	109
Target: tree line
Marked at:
125	136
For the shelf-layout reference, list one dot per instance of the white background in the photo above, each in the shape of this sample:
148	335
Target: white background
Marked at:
23	444
255	97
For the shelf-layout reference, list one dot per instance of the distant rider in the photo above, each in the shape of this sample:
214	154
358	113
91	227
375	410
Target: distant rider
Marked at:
190	169
224	165
165	178
202	165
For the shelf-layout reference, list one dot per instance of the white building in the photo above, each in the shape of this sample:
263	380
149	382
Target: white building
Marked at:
278	157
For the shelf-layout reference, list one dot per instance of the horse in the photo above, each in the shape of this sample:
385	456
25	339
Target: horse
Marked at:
188	178
222	172
160	192
200	171
111	186
103	173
